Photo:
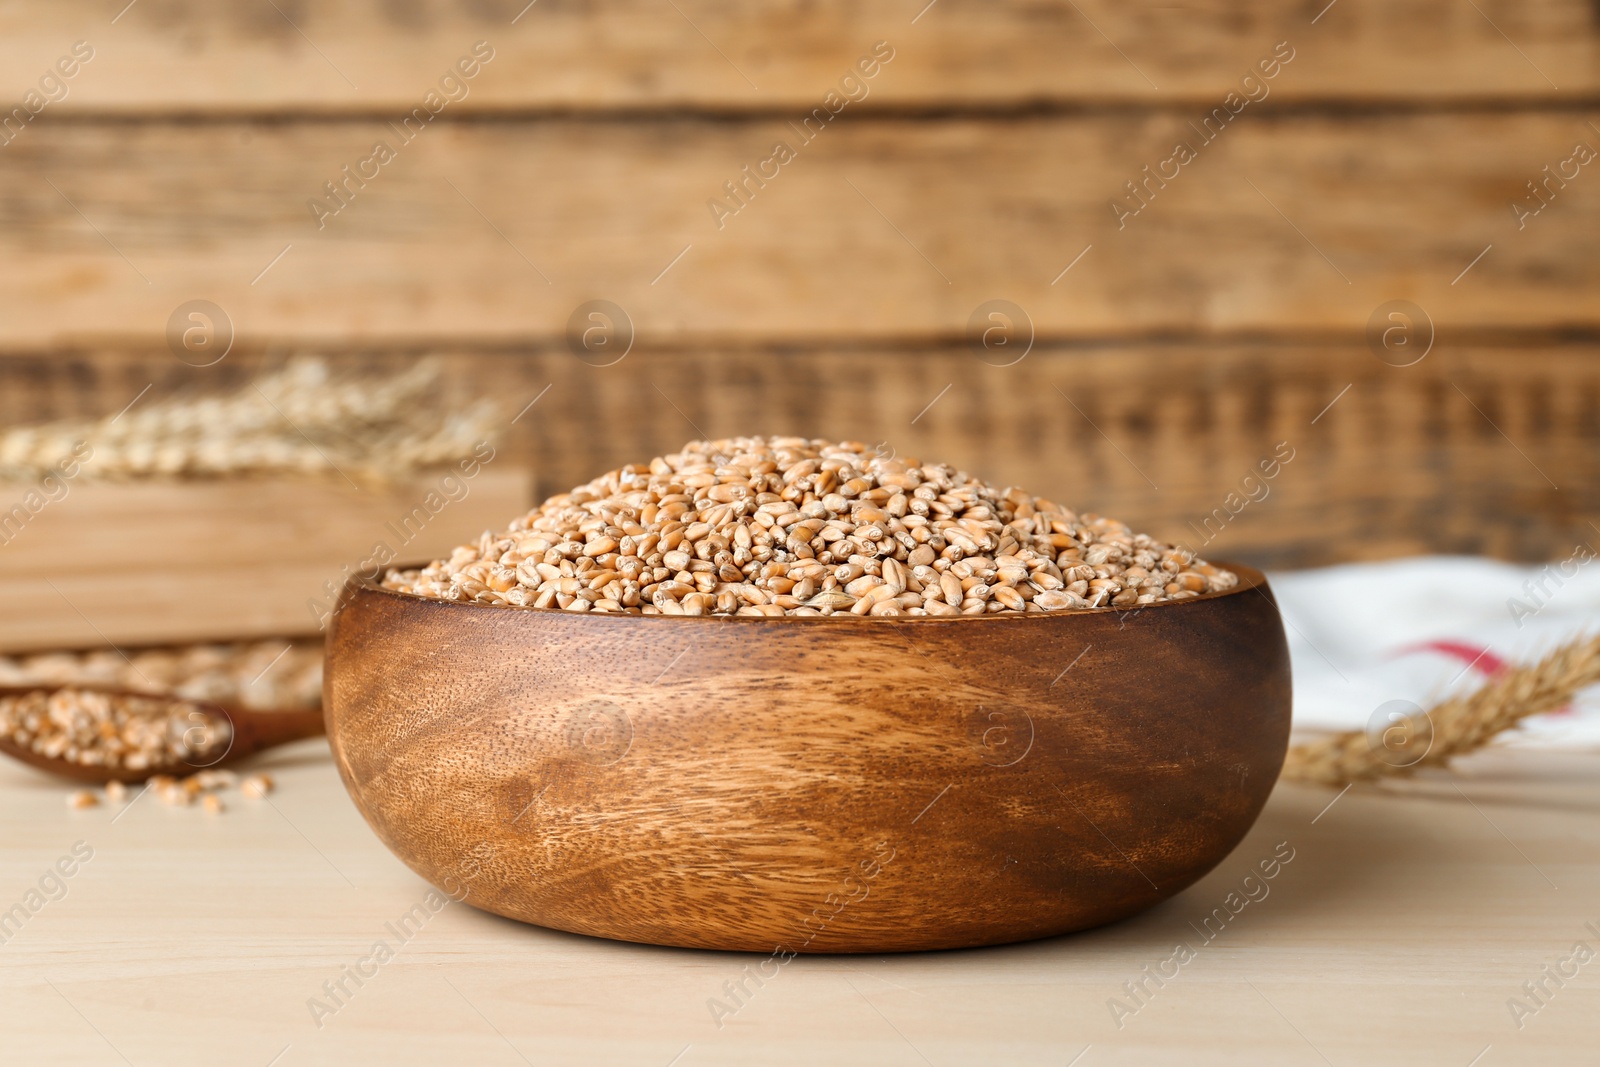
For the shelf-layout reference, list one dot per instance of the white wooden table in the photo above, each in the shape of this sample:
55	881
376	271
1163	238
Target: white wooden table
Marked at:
1407	919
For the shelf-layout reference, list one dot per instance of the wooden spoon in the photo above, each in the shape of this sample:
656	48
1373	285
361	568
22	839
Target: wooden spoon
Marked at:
252	732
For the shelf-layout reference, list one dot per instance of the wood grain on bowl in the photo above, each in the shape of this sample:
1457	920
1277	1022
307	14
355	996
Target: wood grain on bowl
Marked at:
812	785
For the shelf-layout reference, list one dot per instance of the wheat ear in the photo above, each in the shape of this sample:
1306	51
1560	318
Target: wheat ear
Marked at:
1459	724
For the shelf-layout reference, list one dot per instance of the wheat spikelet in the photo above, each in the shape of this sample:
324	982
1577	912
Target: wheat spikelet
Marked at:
1460	724
298	420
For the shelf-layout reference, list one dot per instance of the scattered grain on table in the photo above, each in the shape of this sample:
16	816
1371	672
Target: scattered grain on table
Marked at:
256	786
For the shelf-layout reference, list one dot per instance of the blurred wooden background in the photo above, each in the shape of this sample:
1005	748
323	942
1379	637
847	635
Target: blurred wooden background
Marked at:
1229	315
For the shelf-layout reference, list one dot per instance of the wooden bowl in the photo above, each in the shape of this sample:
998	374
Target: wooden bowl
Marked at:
810	784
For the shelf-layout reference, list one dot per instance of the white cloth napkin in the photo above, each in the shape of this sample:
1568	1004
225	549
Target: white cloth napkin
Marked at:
1363	634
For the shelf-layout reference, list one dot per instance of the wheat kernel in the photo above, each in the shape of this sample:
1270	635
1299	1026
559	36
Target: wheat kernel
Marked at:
788	525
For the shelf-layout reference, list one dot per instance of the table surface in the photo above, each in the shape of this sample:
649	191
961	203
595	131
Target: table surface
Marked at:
1408	918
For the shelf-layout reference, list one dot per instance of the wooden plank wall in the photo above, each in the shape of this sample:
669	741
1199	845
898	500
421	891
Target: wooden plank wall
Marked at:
1222	308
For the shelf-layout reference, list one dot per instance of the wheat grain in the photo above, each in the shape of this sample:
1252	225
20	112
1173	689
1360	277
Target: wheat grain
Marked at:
256	786
121	731
762	526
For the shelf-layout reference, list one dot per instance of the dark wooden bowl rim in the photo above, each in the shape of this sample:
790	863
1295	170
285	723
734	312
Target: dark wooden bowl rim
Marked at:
1249	578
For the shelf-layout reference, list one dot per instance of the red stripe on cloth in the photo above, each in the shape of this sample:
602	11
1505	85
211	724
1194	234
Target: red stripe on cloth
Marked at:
1485	662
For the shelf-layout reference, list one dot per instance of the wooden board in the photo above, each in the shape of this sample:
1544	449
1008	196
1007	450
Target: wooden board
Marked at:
1406	920
1449	455
152	562
982	164
242	56
501	230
